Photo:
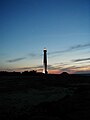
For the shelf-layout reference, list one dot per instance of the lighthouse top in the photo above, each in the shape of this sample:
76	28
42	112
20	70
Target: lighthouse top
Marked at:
45	49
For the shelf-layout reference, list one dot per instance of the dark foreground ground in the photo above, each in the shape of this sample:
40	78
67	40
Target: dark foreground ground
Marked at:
51	97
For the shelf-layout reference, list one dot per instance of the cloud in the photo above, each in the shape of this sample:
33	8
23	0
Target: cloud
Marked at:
24	68
34	55
79	46
51	67
52	54
31	68
74	69
16	59
38	67
76	47
58	68
79	60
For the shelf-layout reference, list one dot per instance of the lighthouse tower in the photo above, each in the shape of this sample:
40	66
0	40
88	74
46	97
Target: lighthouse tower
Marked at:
45	60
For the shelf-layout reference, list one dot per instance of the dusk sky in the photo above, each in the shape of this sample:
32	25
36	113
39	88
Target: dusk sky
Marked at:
62	26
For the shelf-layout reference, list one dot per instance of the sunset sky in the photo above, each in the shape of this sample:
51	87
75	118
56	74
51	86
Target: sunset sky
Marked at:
62	26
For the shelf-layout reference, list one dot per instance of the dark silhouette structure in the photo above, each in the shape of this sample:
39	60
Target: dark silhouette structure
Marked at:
45	61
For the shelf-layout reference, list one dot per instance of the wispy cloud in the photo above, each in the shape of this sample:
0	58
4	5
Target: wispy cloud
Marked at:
51	54
74	69
76	47
79	60
16	59
31	68
25	68
52	67
80	46
57	68
68	68
34	55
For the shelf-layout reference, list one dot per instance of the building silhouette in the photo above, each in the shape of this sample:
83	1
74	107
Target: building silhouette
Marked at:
45	60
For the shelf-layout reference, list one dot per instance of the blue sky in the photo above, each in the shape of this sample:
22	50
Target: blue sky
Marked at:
62	26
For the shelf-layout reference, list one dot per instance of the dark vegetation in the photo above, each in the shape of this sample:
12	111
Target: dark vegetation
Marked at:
32	96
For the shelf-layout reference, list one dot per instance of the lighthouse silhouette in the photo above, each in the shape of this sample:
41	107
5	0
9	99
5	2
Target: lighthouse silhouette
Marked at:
45	60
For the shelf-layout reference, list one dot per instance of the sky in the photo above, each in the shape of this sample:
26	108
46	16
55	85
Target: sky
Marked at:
62	26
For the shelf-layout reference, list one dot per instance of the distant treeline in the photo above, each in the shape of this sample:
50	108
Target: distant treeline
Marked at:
5	73
35	73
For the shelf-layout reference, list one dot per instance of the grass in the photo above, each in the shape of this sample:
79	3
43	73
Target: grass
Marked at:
38	98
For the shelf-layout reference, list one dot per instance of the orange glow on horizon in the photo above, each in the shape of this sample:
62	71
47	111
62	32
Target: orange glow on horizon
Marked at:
54	71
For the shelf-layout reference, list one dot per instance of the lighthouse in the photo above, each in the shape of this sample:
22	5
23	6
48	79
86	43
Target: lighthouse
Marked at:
45	60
